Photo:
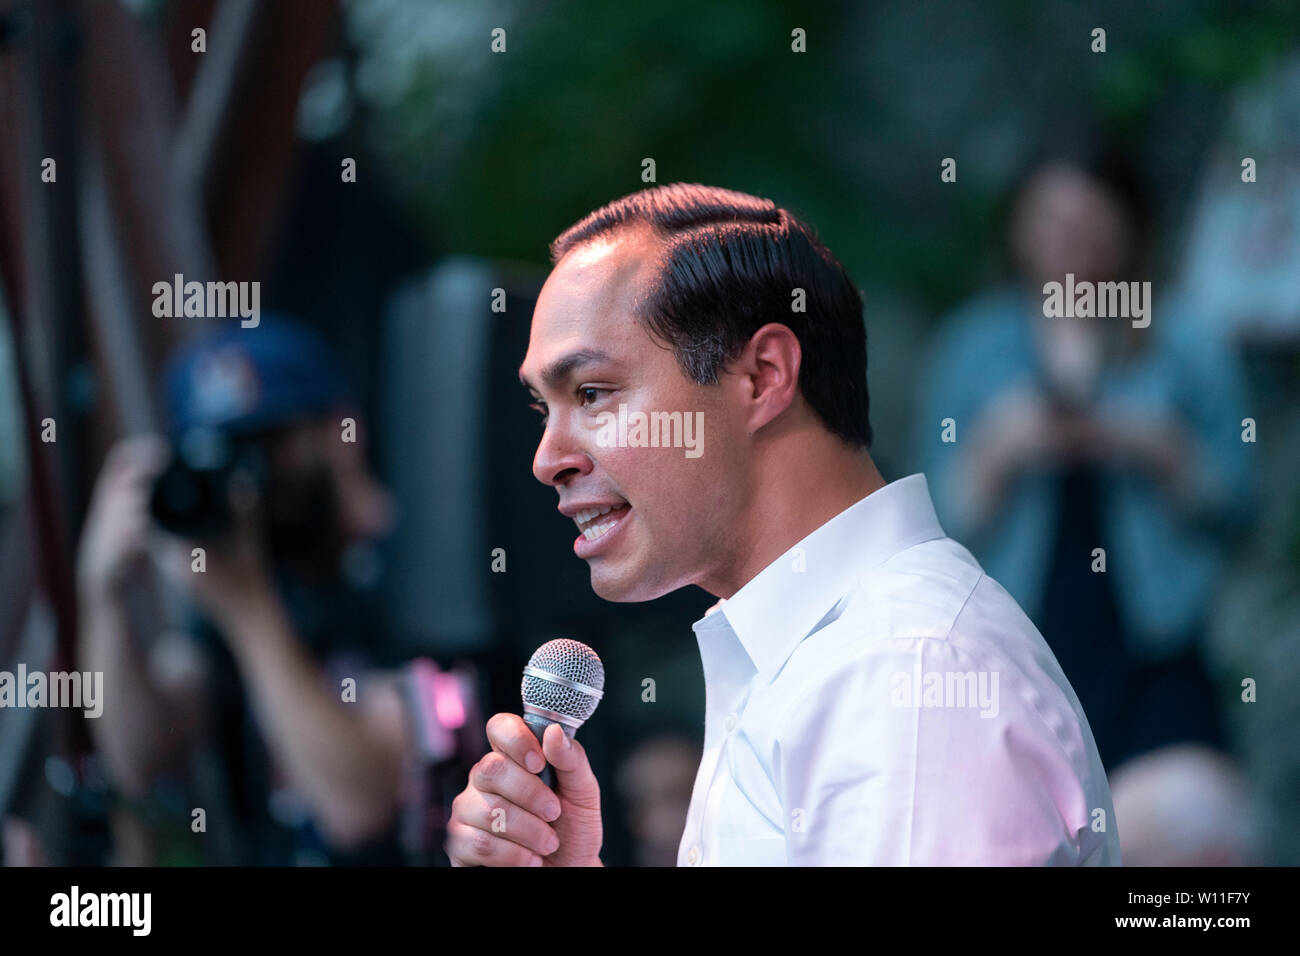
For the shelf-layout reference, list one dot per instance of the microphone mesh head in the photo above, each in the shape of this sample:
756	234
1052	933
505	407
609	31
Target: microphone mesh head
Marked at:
573	661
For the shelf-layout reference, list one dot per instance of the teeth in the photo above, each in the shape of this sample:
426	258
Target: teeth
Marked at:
595	531
588	517
582	517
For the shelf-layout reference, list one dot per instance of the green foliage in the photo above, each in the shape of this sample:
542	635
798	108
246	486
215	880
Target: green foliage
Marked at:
495	153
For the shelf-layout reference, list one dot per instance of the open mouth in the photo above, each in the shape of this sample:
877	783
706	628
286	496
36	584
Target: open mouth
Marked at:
595	523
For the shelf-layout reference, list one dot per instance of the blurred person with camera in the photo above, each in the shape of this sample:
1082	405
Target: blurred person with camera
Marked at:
262	510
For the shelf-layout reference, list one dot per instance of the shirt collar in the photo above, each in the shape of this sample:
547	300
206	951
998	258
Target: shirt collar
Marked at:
780	606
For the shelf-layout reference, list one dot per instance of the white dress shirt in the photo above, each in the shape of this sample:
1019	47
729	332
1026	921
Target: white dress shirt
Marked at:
873	698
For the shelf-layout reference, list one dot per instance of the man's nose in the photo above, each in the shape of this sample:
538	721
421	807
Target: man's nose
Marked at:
558	458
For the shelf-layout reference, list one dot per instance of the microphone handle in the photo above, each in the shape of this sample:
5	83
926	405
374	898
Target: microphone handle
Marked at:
538	724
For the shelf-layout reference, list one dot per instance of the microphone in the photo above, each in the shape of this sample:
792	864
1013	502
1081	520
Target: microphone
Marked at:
563	683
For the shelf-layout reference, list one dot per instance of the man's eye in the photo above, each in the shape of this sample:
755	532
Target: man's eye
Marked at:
589	394
540	409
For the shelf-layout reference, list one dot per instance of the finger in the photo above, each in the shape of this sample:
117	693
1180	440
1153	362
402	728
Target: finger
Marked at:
139	453
497	773
470	846
133	533
127	480
573	776
497	815
133	495
509	735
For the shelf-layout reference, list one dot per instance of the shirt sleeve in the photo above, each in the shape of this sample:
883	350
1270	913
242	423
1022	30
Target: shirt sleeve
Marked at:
871	775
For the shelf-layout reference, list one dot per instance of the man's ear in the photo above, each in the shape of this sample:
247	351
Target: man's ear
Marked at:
770	365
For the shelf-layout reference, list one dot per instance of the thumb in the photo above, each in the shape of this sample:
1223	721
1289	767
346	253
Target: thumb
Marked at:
574	780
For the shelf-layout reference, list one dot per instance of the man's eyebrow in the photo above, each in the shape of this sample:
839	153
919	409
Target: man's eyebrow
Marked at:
553	375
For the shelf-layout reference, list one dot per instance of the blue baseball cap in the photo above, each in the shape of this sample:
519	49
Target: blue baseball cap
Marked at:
243	380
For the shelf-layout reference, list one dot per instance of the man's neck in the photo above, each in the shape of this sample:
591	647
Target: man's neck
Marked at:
808	482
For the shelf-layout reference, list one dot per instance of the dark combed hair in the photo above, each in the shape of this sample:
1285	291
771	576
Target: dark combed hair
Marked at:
729	264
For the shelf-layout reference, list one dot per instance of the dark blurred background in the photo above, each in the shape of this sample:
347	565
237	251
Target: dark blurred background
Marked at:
227	165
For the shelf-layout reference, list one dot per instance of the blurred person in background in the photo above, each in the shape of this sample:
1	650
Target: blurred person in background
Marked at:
1078	433
1183	805
21	844
655	780
296	773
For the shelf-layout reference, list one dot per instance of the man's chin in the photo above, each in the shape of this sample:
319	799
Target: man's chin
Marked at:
624	587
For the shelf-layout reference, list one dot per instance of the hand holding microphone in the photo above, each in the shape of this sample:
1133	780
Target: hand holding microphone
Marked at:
507	815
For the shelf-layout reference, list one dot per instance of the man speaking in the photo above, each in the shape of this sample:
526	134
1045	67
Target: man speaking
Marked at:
872	697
